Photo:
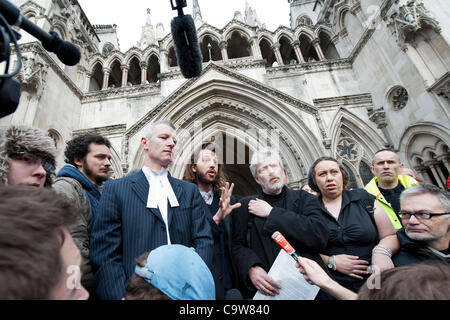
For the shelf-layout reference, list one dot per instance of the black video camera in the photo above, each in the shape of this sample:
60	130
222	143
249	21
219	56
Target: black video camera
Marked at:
68	53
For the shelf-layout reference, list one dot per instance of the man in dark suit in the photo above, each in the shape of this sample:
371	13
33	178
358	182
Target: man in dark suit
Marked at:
294	213
207	173
143	211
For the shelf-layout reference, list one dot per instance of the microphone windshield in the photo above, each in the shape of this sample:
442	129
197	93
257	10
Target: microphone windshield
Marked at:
69	54
187	48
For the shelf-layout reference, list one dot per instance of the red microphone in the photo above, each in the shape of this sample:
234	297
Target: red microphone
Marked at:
282	242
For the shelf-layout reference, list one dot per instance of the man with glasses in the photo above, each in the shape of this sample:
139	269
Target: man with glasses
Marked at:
425	214
27	157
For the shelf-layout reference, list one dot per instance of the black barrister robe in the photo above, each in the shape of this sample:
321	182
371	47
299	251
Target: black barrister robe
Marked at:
300	221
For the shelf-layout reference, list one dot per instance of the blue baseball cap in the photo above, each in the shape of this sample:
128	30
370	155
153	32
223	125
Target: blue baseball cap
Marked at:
179	272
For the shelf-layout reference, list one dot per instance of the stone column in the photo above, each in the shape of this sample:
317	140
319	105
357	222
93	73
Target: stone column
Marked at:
125	69
319	51
223	48
440	173
106	72
87	84
276	50
446	164
163	60
436	175
298	51
144	67
255	48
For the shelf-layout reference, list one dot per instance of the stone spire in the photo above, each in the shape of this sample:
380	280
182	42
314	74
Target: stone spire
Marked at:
149	20
197	14
251	17
148	36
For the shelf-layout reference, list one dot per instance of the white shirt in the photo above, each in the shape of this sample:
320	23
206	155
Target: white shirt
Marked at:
159	192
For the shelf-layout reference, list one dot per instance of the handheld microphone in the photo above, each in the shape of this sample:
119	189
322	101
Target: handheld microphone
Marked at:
66	52
187	48
281	240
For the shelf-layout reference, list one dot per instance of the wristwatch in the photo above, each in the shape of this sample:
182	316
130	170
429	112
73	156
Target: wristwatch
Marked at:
332	262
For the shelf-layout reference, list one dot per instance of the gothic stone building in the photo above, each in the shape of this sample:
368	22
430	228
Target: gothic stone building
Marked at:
344	79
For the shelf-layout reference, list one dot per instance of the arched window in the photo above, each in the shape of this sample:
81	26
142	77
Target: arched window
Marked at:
172	57
96	82
429	155
287	52
238	46
153	69
304	21
267	52
134	73
208	45
308	51
108	48
351	177
328	48
115	77
365	173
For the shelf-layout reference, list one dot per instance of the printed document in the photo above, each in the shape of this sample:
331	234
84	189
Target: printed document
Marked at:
293	284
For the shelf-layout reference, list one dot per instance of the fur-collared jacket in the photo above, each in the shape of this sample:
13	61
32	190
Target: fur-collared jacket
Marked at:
25	139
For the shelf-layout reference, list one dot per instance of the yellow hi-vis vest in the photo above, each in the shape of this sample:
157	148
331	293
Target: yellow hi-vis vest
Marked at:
372	187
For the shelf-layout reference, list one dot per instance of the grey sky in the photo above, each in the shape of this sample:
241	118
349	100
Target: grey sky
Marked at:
130	18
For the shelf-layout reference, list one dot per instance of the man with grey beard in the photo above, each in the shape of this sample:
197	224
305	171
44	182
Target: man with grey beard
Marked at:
294	213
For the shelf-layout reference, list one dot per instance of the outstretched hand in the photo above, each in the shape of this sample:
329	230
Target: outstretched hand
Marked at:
225	206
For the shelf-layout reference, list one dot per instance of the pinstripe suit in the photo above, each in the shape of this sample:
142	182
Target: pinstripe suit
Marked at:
125	228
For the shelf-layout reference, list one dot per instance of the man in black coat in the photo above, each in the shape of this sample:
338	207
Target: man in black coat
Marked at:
425	212
205	171
294	213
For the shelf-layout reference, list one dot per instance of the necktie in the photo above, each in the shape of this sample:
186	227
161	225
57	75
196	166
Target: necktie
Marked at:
207	198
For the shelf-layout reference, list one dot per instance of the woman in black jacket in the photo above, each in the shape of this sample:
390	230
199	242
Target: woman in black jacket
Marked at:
360	232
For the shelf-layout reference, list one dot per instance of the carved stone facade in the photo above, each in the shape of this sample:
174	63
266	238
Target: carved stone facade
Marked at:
345	79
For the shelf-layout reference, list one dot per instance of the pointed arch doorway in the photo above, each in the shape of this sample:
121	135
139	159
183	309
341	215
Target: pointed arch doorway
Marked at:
236	160
234	155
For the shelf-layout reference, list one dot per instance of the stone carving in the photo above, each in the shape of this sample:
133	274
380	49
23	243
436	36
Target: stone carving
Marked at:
32	75
348	149
378	116
408	16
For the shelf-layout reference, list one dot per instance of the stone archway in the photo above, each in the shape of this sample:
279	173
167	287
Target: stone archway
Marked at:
249	112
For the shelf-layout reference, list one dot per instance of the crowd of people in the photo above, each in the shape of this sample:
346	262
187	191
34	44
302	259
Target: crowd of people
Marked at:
77	234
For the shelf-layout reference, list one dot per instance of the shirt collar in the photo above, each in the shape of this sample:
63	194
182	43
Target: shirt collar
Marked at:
151	174
204	192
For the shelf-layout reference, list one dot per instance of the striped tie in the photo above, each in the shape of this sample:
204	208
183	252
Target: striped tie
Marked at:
207	198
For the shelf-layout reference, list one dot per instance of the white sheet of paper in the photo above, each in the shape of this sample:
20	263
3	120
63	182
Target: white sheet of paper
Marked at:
293	284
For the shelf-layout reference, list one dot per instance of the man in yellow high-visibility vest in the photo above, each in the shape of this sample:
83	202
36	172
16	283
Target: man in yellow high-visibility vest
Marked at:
388	183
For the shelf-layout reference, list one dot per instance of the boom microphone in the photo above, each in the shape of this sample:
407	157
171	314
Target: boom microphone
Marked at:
67	52
184	36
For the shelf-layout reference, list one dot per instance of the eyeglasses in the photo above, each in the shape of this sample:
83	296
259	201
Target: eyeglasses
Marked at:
421	215
32	160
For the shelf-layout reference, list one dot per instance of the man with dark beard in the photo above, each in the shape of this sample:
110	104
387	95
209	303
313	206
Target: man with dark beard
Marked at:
205	171
88	164
294	213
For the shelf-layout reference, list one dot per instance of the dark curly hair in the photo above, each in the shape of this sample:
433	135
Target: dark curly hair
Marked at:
79	146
